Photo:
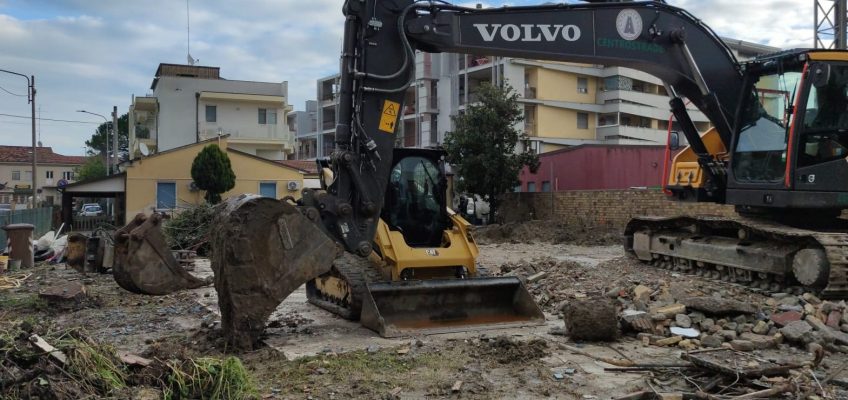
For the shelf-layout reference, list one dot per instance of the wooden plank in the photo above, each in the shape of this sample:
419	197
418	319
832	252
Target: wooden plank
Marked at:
42	344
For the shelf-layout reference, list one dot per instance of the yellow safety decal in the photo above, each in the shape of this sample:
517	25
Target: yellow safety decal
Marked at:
389	117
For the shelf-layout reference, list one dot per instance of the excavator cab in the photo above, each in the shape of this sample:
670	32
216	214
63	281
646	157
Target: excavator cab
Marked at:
422	276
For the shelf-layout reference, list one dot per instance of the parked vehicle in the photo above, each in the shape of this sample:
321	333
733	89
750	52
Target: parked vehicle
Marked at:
91	210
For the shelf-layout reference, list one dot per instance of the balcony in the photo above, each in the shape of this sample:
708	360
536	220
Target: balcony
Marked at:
530	92
530	128
657	136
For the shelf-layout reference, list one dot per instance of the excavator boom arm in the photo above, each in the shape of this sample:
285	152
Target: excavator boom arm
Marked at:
377	66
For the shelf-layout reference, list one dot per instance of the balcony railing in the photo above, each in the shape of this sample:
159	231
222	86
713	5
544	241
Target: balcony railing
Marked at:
530	128
328	125
530	93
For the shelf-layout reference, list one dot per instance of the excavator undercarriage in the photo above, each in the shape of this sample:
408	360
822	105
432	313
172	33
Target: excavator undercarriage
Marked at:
761	254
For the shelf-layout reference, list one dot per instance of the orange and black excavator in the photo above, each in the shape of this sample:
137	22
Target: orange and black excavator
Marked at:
777	151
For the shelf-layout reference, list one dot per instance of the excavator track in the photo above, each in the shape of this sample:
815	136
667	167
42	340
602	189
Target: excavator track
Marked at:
341	290
763	255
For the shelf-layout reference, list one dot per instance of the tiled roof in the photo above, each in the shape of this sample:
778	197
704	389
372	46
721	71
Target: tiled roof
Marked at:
309	167
23	154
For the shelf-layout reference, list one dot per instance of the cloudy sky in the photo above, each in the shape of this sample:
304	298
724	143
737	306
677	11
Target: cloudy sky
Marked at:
93	54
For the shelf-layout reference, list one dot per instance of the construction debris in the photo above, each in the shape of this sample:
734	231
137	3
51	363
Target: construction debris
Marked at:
592	320
64	295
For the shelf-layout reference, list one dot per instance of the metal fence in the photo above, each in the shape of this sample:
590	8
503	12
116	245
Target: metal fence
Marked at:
42	218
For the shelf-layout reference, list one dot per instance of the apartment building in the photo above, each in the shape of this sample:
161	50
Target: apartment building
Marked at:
565	104
53	170
190	103
304	126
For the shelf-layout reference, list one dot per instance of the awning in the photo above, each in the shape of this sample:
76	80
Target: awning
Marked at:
279	101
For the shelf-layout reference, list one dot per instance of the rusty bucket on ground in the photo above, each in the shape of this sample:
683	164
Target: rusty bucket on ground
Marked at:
448	305
143	262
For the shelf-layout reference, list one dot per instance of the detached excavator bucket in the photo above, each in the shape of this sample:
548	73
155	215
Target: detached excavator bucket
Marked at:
439	306
144	263
262	250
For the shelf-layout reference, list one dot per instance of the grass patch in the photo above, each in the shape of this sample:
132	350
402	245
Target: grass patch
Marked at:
209	378
29	302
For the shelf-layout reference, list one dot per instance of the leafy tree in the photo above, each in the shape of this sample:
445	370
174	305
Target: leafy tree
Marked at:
482	147
97	143
93	168
212	172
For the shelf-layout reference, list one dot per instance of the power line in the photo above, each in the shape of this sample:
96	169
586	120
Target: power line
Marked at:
13	94
51	119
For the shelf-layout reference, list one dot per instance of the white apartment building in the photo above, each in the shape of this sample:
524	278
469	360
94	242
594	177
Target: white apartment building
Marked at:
191	103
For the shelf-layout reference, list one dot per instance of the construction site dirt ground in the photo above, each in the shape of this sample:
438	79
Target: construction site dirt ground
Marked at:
311	353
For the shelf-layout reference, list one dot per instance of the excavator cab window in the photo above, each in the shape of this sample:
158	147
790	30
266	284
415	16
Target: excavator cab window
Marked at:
415	201
760	154
825	130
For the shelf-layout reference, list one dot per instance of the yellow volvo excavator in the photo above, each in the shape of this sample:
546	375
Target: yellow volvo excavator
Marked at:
777	152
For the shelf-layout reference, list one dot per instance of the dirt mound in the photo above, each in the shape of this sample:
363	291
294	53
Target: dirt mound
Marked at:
507	351
545	231
593	320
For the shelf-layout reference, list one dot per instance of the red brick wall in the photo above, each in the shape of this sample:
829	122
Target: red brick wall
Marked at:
601	208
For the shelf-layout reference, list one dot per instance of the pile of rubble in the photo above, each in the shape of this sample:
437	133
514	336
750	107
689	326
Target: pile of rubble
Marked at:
707	321
544	279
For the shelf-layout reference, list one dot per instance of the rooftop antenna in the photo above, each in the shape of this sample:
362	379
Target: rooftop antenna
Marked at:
191	60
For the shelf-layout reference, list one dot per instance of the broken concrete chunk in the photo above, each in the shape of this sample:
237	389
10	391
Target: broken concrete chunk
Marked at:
718	306
760	328
668	341
728	334
826	331
537	276
809	309
685	332
641	292
637	320
66	292
712	341
795	330
456	386
670	310
811	298
682	320
833	319
741	345
759	341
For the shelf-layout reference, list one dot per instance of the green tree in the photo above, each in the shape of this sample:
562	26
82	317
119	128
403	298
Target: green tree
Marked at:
212	172
93	168
97	143
482	147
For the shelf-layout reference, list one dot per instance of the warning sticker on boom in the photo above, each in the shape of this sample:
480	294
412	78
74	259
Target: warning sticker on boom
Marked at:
389	118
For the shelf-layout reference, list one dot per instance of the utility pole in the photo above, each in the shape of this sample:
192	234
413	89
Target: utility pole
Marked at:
31	100
34	148
115	138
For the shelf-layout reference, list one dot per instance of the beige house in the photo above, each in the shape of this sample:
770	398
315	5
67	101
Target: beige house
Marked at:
52	169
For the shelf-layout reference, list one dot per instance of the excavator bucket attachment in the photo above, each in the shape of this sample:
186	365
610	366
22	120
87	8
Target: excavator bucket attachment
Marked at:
263	249
144	263
439	306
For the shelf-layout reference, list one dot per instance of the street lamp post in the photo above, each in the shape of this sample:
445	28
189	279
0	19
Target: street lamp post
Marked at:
31	100
108	161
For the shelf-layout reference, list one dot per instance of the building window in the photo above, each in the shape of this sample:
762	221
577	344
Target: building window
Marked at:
608	119
166	195
16	175
68	175
267	116
268	189
48	174
546	186
582	85
582	120
531	187
272	117
211	113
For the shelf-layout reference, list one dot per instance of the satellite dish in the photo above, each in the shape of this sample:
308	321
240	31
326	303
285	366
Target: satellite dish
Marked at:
143	149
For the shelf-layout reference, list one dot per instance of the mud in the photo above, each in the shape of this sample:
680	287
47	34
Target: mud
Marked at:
506	351
591	320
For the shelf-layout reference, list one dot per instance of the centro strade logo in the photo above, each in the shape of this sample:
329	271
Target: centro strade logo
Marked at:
628	24
528	32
